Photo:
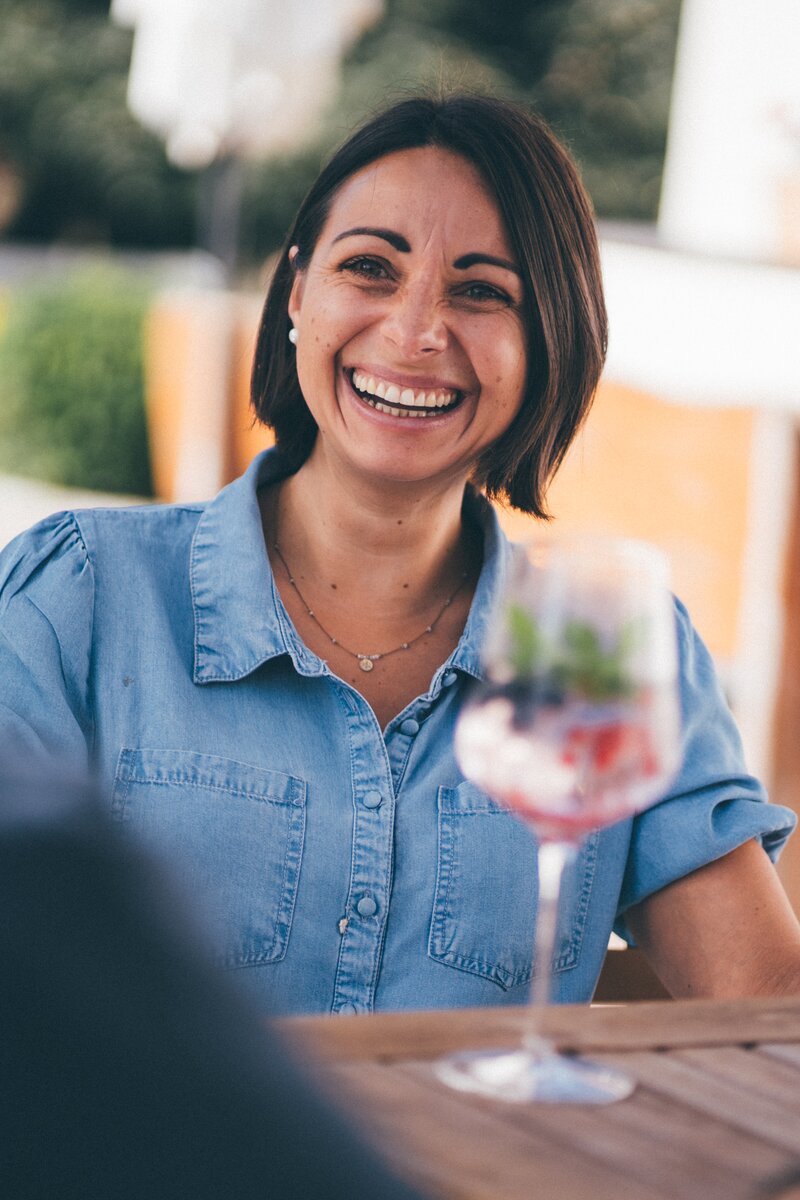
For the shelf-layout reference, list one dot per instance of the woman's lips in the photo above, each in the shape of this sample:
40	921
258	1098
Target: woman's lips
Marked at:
391	398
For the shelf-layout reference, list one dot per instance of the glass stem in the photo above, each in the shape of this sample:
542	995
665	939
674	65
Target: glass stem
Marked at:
552	859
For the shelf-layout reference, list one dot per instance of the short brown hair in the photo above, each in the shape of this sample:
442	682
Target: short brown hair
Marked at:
550	224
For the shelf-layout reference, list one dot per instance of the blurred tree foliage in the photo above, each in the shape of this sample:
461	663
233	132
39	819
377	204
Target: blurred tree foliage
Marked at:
599	70
72	382
82	168
606	90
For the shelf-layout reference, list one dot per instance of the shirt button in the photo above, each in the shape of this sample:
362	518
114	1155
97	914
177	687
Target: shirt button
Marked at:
372	800
449	678
409	727
366	907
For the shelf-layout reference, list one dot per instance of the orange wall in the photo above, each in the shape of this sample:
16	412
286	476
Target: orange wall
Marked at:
674	475
167	341
247	439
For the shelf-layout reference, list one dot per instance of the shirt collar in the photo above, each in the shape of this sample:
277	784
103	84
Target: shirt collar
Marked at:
496	553
239	620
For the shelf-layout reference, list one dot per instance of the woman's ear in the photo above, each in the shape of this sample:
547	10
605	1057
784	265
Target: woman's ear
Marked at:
298	285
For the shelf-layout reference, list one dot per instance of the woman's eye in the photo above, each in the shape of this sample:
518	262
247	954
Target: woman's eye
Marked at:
366	268
486	292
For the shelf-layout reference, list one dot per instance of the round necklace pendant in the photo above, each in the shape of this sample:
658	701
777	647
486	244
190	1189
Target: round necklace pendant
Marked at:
366	664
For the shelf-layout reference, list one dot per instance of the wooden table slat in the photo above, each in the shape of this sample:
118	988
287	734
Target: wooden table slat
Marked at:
790	1054
387	1036
691	1086
778	1081
701	1134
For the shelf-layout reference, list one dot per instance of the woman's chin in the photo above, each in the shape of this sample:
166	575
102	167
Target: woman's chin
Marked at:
398	450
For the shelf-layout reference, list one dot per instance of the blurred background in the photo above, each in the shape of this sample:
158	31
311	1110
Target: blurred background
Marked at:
152	155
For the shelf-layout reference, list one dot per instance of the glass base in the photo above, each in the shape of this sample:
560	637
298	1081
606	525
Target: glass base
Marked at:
520	1077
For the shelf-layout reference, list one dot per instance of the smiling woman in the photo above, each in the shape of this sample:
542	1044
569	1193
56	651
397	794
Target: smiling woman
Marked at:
267	684
428	316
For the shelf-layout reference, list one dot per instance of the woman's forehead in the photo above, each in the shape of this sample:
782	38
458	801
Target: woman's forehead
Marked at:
423	190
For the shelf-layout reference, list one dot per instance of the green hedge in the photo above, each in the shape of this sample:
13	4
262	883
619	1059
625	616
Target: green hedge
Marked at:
72	382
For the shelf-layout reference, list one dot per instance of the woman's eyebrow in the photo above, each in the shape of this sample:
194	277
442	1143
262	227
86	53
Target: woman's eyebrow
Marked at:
401	244
472	260
394	239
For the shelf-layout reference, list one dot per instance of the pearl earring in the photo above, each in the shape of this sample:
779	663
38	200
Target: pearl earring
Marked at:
293	336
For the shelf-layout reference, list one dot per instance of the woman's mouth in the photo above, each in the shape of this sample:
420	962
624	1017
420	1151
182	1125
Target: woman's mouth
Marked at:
399	401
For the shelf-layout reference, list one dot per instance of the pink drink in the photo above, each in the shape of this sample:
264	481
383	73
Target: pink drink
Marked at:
576	726
568	766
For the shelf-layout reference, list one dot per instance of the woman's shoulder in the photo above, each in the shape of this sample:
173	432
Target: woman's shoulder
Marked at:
53	544
67	546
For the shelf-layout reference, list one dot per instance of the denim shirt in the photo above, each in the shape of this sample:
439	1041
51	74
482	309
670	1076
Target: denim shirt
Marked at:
341	868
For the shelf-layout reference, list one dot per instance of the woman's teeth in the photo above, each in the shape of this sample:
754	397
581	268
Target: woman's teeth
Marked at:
402	402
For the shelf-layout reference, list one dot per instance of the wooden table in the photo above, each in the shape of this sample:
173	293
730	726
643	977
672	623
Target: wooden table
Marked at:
715	1116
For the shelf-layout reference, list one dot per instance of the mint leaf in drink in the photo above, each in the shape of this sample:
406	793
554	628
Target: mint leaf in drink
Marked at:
590	669
577	663
583	641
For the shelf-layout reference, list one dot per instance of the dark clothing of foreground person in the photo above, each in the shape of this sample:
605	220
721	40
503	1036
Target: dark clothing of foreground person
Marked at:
127	1067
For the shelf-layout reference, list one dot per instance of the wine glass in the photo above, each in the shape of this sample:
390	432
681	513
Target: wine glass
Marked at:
576	725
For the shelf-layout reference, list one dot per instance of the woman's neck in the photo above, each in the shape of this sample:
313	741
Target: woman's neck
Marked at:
400	544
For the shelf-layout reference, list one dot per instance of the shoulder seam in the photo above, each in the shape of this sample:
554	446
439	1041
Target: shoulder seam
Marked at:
90	718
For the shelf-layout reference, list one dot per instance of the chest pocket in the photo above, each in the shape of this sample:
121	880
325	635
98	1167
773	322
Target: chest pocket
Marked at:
231	833
484	908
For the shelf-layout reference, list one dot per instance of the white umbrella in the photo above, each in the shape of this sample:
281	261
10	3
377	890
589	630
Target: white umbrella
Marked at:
248	77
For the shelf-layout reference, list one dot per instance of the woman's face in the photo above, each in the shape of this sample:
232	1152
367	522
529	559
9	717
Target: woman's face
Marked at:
411	344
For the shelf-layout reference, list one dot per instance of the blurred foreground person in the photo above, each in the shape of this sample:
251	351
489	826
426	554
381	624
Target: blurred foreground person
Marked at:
127	1068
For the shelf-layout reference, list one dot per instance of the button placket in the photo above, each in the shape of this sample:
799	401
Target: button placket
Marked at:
399	743
362	934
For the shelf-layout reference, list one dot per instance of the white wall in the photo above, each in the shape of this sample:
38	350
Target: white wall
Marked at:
734	133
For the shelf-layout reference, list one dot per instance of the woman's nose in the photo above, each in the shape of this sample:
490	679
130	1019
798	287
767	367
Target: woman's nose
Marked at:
415	322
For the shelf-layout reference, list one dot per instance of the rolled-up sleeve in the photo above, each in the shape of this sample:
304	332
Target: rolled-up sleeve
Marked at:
46	619
713	805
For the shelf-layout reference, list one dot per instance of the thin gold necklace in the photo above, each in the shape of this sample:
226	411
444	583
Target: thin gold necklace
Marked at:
367	661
